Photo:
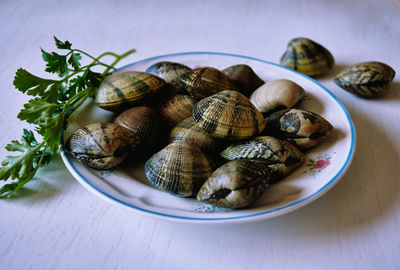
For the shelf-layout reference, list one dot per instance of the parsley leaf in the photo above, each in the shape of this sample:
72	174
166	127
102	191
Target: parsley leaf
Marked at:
36	110
18	166
56	63
54	102
62	45
73	60
51	129
30	84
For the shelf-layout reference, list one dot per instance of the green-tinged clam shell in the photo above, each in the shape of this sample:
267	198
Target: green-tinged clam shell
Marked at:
102	146
244	78
229	115
283	156
236	184
206	81
169	71
176	109
302	128
307	57
188	131
277	95
121	90
368	79
179	168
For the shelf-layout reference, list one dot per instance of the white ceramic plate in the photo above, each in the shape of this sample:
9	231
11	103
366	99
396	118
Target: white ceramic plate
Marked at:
324	166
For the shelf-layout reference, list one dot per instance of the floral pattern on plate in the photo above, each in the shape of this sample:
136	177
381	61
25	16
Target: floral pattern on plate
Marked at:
317	165
208	208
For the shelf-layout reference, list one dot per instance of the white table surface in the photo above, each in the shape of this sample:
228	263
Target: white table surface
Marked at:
58	224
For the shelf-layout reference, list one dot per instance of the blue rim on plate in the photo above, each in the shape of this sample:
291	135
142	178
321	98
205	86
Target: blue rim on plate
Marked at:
289	207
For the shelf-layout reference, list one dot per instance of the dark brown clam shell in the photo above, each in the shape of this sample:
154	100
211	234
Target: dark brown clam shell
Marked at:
244	78
176	109
205	81
142	121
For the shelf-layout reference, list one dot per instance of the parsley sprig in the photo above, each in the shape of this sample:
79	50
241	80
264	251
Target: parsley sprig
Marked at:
52	103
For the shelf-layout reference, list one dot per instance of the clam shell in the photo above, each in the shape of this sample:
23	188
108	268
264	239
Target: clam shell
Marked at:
302	128
143	122
177	108
188	131
277	95
121	90
179	168
244	78
368	79
169	72
236	184
283	156
228	115
102	146
204	82
307	57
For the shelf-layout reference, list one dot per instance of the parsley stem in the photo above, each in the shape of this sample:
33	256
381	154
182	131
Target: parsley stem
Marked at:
76	97
32	174
95	59
80	101
118	58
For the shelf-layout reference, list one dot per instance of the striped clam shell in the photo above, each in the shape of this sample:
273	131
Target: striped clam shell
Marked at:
368	79
283	156
142	121
302	128
204	82
177	108
188	131
236	184
169	72
228	115
179	168
244	78
121	90
277	95
102	146
307	57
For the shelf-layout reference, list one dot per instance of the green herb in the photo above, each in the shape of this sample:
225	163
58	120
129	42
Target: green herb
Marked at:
53	102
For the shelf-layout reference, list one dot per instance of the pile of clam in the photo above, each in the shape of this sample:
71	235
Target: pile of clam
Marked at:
220	136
